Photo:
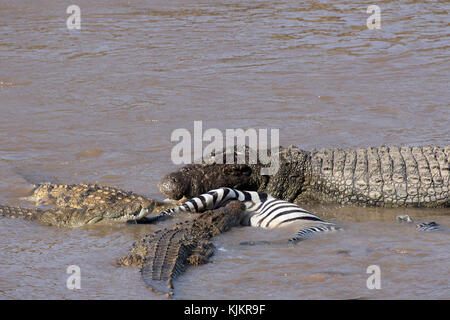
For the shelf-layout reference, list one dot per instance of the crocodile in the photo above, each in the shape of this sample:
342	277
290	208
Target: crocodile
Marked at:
388	176
164	254
77	205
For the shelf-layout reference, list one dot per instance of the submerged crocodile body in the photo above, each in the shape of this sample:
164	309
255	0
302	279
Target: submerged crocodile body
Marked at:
164	255
388	176
83	204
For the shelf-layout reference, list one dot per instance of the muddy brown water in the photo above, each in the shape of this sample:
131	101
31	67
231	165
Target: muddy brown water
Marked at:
100	104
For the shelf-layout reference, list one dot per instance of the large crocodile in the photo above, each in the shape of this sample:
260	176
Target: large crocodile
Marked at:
82	204
388	176
163	255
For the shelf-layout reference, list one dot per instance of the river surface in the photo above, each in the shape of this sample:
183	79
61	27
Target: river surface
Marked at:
99	105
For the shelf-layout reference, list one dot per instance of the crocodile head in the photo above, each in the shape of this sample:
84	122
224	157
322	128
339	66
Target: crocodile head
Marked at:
175	185
234	214
290	180
195	179
222	219
133	210
214	172
117	213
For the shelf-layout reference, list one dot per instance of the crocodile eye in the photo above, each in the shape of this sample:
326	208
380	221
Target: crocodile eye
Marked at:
247	171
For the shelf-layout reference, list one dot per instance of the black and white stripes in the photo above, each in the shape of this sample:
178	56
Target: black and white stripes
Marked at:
215	199
273	213
422	226
262	210
308	231
428	226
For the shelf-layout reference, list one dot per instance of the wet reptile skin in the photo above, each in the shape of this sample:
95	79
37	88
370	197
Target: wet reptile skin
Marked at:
73	217
388	176
83	204
164	255
85	195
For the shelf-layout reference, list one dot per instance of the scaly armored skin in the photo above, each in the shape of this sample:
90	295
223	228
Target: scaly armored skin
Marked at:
388	176
73	217
164	255
206	177
79	205
87	196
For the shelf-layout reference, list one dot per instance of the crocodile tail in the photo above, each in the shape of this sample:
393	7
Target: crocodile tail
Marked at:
19	213
165	259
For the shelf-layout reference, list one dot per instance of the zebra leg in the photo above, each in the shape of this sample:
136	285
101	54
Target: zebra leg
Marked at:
150	220
265	242
254	243
303	234
309	231
428	226
423	226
